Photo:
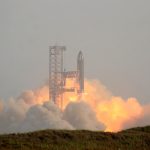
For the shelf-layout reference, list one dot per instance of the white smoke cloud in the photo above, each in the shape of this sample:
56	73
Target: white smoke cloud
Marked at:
12	114
32	111
81	116
23	115
46	116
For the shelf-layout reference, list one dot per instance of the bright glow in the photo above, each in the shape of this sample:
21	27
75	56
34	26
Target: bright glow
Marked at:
112	111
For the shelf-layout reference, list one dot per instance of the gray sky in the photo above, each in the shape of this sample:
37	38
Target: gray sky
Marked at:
114	36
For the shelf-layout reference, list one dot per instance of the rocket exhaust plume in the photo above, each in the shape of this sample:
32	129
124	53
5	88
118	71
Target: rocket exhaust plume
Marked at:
114	112
98	110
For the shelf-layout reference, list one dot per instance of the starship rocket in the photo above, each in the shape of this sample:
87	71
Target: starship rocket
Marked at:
80	71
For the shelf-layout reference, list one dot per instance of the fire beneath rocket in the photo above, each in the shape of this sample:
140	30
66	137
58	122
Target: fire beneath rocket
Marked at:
96	109
112	111
115	113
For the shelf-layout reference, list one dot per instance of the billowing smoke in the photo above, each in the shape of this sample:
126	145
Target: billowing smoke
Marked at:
44	116
32	111
81	116
115	112
143	120
98	110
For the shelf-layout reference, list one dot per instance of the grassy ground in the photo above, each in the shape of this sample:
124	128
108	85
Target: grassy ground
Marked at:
132	139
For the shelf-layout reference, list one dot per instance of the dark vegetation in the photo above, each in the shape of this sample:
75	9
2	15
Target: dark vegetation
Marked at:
131	139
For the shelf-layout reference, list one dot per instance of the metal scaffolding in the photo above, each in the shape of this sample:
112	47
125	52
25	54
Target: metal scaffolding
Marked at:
58	77
55	72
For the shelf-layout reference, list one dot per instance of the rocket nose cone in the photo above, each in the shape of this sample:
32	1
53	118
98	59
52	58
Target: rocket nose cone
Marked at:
80	55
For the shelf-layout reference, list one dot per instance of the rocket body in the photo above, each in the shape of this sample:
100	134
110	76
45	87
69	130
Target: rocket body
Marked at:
80	70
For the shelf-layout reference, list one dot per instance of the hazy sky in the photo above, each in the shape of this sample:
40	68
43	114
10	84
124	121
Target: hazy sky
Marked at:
114	36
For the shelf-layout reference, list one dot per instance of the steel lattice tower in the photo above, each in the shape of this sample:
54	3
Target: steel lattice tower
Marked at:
55	72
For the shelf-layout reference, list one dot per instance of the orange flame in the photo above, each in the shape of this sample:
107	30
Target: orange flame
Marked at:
112	111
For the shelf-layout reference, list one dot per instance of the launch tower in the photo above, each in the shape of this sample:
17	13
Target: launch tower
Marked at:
58	77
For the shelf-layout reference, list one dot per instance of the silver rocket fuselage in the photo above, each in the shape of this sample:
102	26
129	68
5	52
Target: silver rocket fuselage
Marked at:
80	71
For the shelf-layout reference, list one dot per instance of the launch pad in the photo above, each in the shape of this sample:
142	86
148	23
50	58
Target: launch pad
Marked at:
58	76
